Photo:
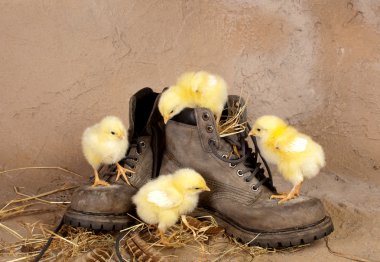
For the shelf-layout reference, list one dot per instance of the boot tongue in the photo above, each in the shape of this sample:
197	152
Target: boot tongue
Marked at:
186	116
155	119
140	110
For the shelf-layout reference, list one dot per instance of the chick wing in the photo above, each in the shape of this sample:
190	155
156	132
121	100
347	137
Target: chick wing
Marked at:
167	198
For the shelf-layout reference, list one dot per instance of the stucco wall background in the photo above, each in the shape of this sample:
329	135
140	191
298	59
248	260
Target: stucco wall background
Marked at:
66	64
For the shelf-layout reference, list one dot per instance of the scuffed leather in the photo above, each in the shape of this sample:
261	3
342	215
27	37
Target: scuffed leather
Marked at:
231	197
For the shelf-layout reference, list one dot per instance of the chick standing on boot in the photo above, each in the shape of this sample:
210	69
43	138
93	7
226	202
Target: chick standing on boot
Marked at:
192	90
106	143
163	200
296	155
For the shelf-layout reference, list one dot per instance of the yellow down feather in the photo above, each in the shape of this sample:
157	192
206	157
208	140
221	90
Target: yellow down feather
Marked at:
296	155
163	200
194	89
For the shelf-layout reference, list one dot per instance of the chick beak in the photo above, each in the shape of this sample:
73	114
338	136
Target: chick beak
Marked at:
166	119
121	137
206	189
252	133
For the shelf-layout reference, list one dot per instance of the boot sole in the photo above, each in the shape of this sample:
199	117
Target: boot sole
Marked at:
94	221
281	239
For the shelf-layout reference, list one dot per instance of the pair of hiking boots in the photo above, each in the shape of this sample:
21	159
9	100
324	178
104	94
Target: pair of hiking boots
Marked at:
240	191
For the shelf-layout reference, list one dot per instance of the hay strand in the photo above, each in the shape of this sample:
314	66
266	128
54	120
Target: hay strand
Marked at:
23	258
39	199
11	231
233	125
84	245
14	201
41	167
62	238
347	256
192	235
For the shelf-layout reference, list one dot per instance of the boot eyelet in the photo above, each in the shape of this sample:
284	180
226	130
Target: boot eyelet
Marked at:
237	104
130	175
239	172
232	165
142	143
254	188
210	128
205	116
224	156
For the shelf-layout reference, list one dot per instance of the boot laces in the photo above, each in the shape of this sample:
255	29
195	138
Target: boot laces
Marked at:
129	161
250	159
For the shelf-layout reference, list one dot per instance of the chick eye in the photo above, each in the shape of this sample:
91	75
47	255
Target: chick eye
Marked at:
171	112
258	129
197	188
113	133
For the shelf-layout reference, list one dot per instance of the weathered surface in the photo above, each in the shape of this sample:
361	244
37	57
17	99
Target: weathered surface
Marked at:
66	64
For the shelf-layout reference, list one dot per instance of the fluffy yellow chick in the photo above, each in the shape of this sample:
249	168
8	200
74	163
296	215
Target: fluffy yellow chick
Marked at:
194	89
209	91
105	143
174	100
163	200
296	155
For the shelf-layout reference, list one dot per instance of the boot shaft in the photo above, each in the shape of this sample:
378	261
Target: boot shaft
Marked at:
146	140
192	140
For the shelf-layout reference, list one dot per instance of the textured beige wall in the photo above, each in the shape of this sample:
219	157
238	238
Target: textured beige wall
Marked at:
65	64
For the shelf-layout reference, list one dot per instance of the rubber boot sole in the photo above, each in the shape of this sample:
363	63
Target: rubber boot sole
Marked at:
96	221
281	239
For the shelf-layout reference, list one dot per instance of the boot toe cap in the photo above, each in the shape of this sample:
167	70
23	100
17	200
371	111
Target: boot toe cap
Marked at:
269	216
114	199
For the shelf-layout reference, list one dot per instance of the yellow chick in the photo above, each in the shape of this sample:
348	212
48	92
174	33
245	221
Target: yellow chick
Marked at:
194	89
296	155
163	200
105	143
173	101
210	91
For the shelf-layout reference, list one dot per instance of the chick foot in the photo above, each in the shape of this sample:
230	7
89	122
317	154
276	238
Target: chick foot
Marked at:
279	196
167	240
284	197
98	181
164	240
294	193
121	171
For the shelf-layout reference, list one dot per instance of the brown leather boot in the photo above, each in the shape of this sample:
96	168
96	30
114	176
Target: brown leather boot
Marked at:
106	207
146	141
240	191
